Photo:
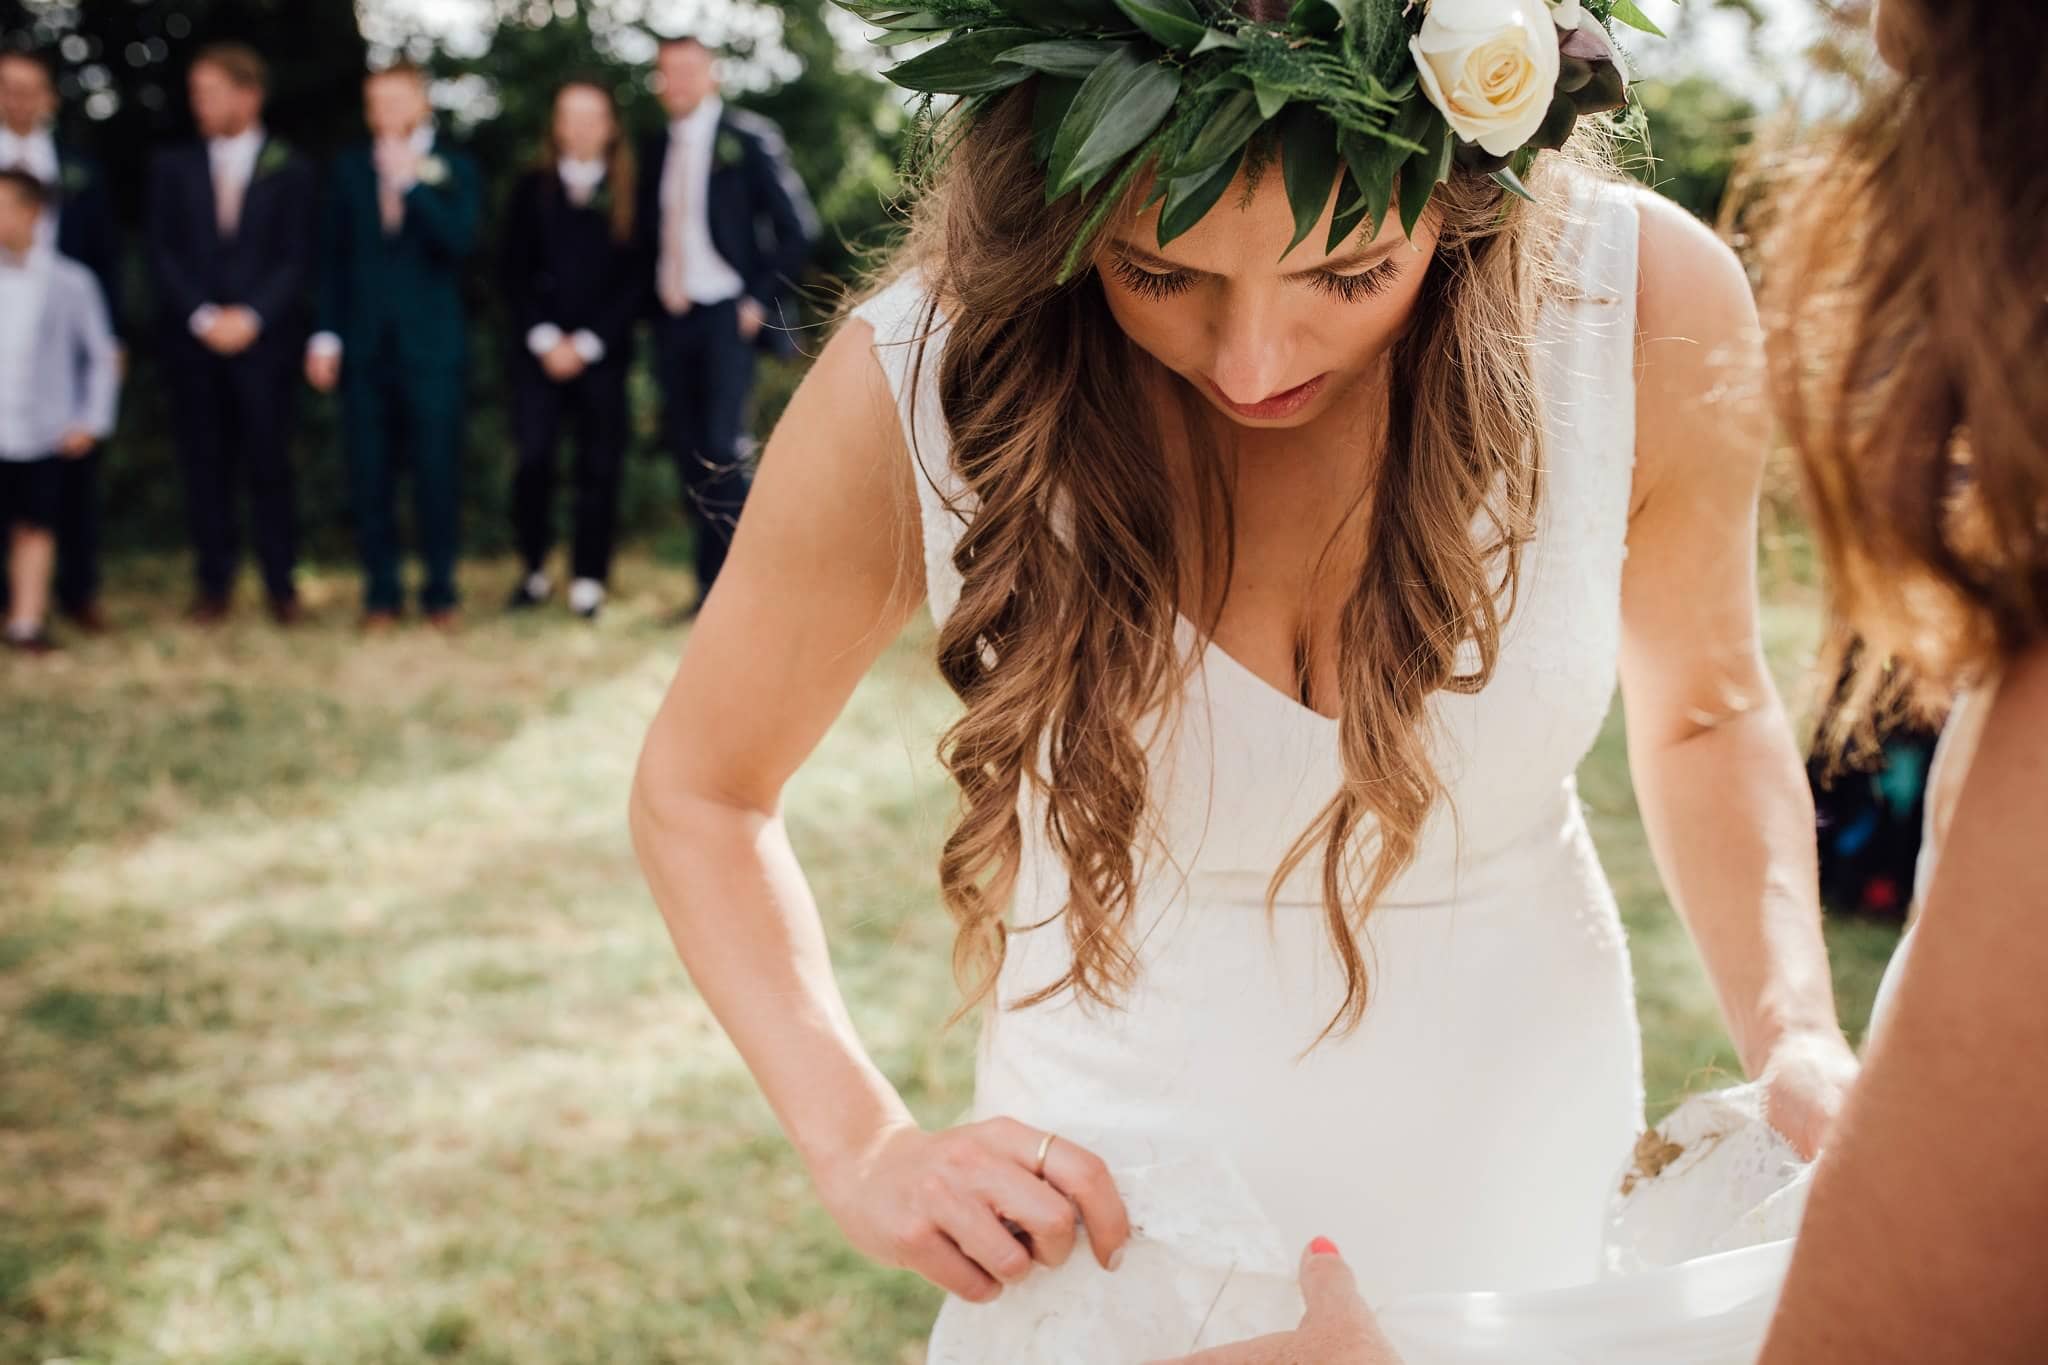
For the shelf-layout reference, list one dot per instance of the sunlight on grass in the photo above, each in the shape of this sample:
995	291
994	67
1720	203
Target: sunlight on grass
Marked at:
337	1025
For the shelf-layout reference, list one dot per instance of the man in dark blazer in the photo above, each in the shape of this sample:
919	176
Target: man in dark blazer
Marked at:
80	224
230	224
734	227
402	219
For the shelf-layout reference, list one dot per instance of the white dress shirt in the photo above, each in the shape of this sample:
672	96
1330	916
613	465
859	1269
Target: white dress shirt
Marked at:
580	180
36	154
22	284
707	277
422	142
233	160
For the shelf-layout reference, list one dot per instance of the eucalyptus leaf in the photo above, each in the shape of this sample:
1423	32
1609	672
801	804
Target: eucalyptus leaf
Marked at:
1308	164
1625	11
1119	105
1190	197
1173	23
1075	57
965	65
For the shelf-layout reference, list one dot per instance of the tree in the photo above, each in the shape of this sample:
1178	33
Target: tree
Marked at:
122	69
1698	134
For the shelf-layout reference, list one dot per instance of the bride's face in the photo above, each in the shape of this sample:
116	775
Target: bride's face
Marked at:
1269	342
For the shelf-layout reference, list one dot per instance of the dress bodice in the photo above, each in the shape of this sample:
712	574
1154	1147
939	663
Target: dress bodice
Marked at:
1249	768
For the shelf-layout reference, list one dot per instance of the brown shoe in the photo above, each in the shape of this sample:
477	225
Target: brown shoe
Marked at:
208	612
37	644
287	612
88	619
447	620
379	622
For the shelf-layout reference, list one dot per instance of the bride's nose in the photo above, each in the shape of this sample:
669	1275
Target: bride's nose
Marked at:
1252	352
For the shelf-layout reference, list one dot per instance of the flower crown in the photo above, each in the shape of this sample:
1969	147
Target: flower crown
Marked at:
1378	97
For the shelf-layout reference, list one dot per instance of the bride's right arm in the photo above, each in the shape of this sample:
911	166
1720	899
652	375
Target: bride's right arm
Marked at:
824	571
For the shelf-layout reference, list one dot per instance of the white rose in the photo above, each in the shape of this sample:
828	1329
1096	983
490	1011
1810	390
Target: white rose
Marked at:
1490	66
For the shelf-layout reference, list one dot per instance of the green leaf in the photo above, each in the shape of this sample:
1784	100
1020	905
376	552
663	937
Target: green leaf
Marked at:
1076	57
1190	197
1225	134
1512	183
1308	163
1213	39
1625	11
1352	210
1271	100
1314	16
1374	167
1173	23
1424	172
965	65
1064	15
1119	105
1055	95
897	38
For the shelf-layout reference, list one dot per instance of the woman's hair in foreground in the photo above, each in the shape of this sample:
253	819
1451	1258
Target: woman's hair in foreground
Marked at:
1908	301
1076	550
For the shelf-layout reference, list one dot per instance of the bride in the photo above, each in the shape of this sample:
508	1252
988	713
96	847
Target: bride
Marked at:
1294	431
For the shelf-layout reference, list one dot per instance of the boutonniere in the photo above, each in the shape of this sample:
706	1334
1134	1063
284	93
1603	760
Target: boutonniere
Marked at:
276	156
74	178
433	171
727	153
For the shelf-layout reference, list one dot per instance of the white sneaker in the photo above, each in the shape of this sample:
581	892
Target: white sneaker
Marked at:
586	596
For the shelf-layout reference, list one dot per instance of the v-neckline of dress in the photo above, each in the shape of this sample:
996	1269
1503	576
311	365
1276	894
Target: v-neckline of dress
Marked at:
1232	664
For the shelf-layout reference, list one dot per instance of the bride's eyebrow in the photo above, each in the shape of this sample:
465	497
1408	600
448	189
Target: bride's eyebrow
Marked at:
1336	265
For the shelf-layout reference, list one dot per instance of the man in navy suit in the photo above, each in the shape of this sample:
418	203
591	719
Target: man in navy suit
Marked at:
734	227
230	239
80	224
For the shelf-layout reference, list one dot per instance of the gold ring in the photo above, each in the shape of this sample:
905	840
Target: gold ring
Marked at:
1038	1163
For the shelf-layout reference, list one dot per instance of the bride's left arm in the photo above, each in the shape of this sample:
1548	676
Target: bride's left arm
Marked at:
1717	772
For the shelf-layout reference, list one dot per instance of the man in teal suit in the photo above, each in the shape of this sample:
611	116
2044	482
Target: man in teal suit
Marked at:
402	219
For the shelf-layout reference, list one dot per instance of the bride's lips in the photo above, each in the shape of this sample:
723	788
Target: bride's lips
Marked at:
1280	405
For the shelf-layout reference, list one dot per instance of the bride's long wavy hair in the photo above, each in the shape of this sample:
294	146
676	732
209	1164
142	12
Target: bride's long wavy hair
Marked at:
1907	295
1076	549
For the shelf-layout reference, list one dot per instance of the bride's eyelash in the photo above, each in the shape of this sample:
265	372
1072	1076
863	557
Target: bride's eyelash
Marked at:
1151	284
1351	288
1165	284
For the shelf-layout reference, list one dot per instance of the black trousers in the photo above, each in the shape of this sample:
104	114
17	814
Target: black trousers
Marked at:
707	378
397	415
593	407
232	420
78	534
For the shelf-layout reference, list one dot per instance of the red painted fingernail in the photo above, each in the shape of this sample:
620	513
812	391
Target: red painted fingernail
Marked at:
1323	1246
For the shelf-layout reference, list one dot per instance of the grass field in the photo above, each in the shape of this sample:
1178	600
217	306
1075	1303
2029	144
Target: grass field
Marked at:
336	1026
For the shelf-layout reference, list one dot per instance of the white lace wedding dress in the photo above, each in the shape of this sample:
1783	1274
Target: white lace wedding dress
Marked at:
1470	1133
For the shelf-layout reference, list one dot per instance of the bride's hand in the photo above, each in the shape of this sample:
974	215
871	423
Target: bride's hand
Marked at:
937	1203
1338	1329
1805	1083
